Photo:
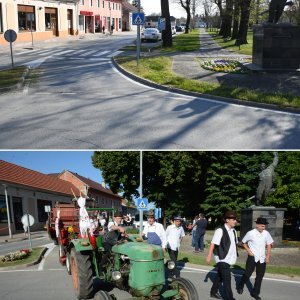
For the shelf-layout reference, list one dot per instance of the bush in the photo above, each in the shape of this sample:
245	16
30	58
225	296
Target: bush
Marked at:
18	255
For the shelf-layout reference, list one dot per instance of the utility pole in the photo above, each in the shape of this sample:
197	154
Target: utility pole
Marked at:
138	39
7	211
141	191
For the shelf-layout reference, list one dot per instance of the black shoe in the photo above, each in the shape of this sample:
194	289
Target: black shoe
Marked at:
215	295
240	290
255	296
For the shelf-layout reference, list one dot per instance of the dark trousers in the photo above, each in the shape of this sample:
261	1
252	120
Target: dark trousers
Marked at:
173	256
199	242
260	272
223	275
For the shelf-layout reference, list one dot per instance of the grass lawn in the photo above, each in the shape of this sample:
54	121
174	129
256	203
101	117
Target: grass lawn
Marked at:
29	259
230	45
11	77
159	70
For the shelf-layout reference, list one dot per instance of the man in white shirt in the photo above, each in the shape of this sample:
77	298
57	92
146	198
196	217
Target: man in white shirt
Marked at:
255	242
223	245
174	234
154	232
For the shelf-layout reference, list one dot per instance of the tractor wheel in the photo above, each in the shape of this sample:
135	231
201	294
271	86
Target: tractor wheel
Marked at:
82	274
68	263
102	295
61	253
187	290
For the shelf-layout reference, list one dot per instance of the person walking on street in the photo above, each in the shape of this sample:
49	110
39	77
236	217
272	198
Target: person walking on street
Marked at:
194	231
154	232
223	245
255	242
174	234
200	225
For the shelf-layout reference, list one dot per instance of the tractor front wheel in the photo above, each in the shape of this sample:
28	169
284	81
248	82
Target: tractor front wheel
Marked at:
186	289
102	295
82	274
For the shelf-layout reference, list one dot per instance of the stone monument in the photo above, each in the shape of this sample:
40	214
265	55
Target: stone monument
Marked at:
276	46
273	215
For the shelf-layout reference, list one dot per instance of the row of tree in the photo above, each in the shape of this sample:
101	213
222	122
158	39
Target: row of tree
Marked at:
189	182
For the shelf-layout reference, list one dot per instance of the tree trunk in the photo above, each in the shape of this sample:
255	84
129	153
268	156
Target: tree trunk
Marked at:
236	14
225	30
244	22
166	34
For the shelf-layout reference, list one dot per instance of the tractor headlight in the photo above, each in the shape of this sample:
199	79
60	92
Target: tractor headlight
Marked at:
171	264
116	275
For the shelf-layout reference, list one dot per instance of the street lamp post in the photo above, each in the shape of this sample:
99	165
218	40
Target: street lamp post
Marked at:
7	211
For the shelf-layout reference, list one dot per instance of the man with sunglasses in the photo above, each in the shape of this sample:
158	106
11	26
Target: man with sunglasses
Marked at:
223	246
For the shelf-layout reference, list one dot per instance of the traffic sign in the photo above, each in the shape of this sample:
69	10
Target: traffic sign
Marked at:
142	203
10	35
27	219
138	19
162	24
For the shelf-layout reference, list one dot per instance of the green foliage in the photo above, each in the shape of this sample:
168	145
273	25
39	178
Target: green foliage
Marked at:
186	183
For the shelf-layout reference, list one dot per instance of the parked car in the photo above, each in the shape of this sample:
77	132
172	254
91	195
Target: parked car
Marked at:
151	34
178	28
173	29
136	222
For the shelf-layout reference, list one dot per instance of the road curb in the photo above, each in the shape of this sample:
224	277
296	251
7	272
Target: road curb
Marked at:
204	96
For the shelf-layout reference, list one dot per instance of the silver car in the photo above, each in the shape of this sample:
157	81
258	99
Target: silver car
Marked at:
151	34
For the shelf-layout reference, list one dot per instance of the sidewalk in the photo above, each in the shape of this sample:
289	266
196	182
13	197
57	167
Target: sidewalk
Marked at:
188	65
20	236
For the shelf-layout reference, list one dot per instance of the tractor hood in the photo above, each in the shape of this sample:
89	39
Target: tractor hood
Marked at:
139	251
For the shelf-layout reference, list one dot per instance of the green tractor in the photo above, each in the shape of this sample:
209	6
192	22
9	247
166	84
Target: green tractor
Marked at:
134	266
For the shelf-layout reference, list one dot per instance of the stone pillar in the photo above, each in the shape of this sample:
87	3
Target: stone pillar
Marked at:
273	215
276	46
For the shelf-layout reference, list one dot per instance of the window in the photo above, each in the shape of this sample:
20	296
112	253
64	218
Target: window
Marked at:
120	25
42	215
103	4
50	18
26	17
81	23
1	23
81	2
98	3
113	6
3	210
91	3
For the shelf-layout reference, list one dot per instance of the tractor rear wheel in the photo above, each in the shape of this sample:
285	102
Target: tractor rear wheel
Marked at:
186	289
82	274
102	295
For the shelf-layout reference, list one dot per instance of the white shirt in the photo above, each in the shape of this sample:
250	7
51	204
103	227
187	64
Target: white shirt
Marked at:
257	242
231	256
110	224
159	230
174	235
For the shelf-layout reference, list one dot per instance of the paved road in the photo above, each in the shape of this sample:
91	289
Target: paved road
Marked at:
81	102
49	280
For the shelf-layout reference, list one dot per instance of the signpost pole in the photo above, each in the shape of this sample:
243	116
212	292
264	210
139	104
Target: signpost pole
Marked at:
11	55
138	38
29	235
7	211
141	191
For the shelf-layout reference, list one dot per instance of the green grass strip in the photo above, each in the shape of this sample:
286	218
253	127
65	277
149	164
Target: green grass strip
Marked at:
159	70
11	77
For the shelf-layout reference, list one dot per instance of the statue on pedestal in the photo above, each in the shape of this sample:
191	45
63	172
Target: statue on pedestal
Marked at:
266	179
276	8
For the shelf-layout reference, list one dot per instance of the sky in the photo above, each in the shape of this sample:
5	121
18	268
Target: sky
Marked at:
153	6
55	162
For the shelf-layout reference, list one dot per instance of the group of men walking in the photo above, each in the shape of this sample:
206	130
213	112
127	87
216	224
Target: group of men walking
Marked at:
257	242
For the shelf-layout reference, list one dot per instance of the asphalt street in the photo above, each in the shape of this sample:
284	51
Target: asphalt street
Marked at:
80	101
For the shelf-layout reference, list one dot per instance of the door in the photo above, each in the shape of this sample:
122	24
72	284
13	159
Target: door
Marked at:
18	212
70	22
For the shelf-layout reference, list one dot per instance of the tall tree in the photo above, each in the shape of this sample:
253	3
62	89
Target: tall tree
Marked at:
167	33
186	4
227	16
244	22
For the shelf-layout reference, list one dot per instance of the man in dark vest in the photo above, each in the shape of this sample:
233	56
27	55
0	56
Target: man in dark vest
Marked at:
223	246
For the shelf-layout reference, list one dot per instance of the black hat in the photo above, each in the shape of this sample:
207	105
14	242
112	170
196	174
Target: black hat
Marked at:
230	214
150	213
118	214
262	221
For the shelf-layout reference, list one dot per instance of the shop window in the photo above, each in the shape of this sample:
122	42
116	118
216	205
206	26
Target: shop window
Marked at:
3	210
26	18
42	215
81	23
1	17
120	23
50	18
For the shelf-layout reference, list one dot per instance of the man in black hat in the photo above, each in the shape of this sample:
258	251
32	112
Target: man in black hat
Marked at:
255	242
223	245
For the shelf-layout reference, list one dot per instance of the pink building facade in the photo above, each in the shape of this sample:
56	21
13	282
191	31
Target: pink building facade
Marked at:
96	14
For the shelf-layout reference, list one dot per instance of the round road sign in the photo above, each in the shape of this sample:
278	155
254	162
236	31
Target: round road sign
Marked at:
24	220
10	35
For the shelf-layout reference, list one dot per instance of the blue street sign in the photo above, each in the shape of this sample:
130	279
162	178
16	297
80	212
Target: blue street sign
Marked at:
162	24
142	204
138	19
